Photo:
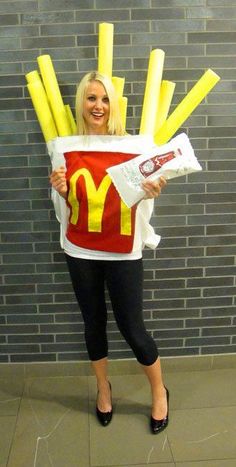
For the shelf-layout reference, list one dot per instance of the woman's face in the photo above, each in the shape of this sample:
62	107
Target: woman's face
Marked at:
96	108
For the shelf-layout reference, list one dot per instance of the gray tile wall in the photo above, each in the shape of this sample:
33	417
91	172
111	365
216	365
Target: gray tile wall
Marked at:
189	296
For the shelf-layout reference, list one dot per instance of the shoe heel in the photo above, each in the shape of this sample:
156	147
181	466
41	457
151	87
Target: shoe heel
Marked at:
159	425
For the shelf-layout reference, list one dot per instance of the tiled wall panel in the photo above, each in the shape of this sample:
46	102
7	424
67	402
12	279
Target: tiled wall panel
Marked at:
189	289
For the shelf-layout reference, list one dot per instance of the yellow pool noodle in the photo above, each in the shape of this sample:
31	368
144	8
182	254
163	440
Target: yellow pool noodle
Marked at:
32	76
105	49
186	106
71	119
166	94
118	84
42	109
123	104
54	95
152	91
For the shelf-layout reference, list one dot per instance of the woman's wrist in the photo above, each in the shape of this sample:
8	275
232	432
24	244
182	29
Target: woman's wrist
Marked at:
63	195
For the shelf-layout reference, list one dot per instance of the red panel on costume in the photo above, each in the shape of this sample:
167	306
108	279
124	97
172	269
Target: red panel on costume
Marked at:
86	171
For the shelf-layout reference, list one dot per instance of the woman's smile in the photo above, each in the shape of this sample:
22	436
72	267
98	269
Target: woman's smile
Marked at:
98	114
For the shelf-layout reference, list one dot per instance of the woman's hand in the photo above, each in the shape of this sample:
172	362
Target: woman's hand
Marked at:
153	189
58	181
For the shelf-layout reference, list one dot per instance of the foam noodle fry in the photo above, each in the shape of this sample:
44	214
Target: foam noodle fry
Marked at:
105	49
118	84
123	103
166	94
54	95
186	106
152	91
32	76
42	109
71	119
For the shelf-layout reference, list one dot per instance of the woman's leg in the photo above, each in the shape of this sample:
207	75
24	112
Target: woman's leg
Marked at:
125	285
88	283
100	368
159	399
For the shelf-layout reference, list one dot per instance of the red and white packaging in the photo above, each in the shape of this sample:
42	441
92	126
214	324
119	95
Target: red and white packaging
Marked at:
171	160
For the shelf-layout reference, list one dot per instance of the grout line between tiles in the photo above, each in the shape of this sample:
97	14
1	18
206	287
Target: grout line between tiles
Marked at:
17	416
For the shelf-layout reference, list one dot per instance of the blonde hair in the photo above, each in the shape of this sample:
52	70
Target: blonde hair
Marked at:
114	125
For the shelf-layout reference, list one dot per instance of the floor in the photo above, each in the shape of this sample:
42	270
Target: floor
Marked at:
50	422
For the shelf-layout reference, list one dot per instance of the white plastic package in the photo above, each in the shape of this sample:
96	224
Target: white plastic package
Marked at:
171	160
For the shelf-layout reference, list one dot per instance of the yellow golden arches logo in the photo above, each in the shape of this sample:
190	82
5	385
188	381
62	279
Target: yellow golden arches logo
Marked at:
96	200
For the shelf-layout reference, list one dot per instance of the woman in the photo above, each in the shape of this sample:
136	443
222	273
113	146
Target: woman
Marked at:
94	260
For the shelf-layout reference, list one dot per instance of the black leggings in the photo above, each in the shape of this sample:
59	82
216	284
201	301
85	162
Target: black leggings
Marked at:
124	280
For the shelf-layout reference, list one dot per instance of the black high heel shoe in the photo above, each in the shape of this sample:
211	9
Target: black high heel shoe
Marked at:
159	425
104	417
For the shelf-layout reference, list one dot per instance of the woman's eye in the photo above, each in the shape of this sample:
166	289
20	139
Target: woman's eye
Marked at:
91	98
106	100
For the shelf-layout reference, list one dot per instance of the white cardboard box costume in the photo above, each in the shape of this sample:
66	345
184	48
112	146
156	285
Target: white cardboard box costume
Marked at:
127	176
144	232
